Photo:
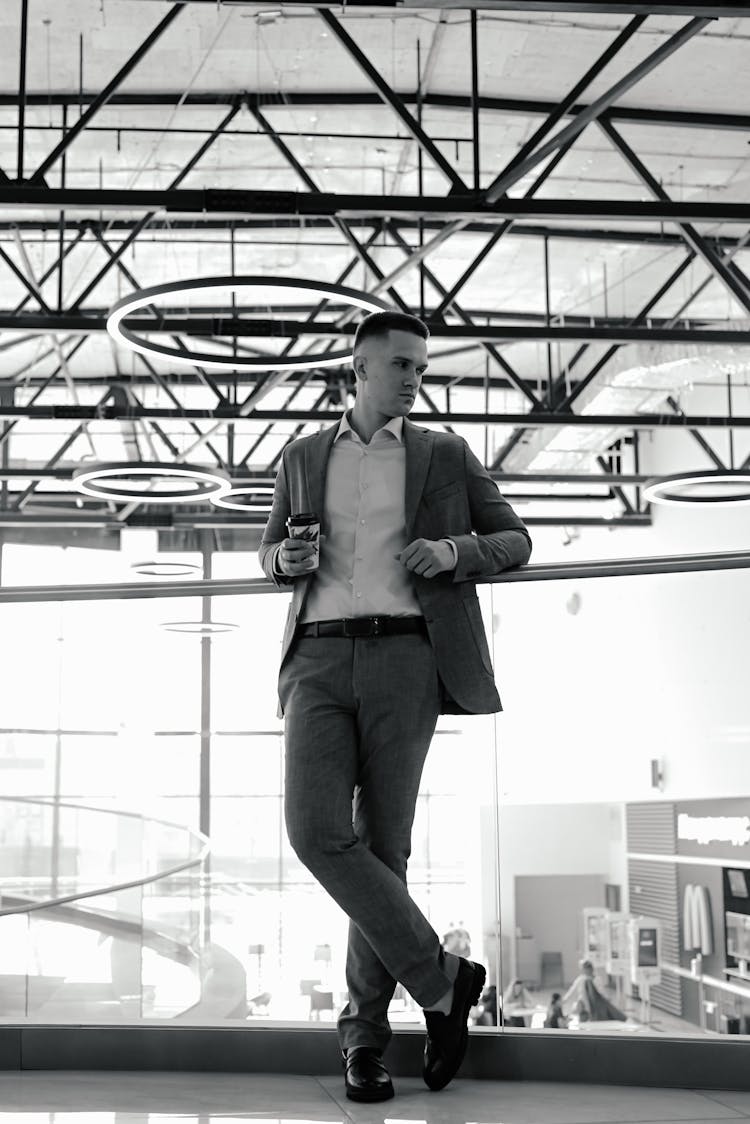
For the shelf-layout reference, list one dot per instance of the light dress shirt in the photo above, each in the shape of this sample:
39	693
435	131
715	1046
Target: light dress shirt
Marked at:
358	575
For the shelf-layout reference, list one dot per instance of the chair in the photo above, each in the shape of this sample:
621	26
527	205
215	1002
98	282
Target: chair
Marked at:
552	970
320	1001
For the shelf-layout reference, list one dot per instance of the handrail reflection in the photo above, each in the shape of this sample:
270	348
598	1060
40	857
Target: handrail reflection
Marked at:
233	587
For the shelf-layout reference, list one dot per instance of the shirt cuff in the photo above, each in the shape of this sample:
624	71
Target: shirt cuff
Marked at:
455	550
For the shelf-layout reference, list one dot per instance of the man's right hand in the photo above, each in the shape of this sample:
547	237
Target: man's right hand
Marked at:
296	557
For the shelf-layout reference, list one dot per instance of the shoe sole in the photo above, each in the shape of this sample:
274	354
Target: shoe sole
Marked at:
480	975
369	1095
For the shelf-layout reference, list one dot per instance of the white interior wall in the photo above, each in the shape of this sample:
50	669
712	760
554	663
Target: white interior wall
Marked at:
548	839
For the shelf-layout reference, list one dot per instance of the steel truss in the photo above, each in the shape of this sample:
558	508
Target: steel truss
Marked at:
389	218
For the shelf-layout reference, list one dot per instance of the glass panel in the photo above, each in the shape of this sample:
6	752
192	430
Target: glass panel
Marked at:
624	801
602	816
104	557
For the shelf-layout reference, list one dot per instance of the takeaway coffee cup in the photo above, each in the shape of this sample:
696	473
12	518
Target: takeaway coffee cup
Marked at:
306	526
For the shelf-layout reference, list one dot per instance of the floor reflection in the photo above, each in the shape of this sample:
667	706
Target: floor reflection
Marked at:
48	1097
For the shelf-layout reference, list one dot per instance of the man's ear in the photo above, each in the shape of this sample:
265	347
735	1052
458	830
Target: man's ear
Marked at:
360	365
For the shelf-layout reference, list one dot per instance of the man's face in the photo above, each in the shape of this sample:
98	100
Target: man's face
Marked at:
394	365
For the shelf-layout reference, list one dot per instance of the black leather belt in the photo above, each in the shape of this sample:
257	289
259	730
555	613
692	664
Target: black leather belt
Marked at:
363	626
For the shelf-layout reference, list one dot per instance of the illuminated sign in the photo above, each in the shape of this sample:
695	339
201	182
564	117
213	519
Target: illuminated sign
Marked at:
714	829
697	931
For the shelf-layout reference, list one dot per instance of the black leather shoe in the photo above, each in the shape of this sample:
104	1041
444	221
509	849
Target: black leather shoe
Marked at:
448	1035
366	1078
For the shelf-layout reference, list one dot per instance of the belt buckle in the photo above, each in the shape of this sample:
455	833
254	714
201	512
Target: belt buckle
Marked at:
376	626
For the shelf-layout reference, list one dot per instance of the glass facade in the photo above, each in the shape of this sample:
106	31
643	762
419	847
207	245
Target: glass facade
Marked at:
564	842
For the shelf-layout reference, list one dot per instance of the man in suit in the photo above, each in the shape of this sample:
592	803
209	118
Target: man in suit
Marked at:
384	634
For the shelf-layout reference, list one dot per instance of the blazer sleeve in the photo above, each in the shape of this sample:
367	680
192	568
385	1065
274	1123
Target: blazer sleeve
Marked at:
501	540
275	530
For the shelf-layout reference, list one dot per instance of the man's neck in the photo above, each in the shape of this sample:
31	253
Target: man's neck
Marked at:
362	429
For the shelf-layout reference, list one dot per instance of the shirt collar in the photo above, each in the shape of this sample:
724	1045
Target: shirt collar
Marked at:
393	425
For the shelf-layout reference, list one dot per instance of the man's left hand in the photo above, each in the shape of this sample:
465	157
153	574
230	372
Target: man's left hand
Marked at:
426	557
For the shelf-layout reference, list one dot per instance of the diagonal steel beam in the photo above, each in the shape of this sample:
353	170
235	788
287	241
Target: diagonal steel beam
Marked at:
639	317
33	290
590	113
424	81
707	449
207	379
516	379
340	224
313	316
674	319
393	100
143	222
274	378
564	407
149	366
570	98
616	490
69	382
506	179
736	281
472	267
546	127
259	391
103	97
25	496
56	265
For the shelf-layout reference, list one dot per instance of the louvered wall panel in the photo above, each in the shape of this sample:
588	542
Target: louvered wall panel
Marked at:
653	893
651	828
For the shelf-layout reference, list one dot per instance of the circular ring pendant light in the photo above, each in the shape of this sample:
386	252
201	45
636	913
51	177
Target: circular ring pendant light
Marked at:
142	298
683	489
200	628
159	569
205	482
250	490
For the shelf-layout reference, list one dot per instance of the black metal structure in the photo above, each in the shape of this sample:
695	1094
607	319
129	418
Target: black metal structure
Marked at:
389	236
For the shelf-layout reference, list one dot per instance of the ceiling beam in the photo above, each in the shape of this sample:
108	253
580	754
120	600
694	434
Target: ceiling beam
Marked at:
710	8
269	99
291	329
534	420
80	227
278	204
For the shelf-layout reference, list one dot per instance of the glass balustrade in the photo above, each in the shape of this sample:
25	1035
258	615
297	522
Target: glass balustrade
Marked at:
590	842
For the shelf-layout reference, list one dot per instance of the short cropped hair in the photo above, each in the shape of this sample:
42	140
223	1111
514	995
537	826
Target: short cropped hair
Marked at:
380	323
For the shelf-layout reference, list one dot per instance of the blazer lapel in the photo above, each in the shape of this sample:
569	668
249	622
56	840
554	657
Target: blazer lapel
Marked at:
418	444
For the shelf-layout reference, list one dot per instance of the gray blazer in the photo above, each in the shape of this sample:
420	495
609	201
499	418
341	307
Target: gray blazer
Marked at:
448	492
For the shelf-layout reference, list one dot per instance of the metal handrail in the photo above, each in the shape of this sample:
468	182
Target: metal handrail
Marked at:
233	587
176	868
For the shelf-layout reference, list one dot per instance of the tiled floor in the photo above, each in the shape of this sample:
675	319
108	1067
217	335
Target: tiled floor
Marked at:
30	1097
